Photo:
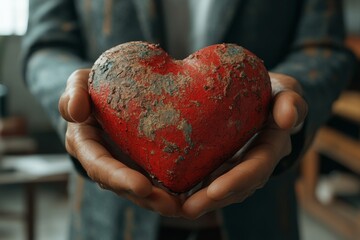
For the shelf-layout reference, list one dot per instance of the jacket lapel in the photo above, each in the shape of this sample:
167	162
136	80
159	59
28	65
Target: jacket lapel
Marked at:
149	16
220	16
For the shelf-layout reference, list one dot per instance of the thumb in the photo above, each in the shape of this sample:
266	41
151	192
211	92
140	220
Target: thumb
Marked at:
289	110
74	104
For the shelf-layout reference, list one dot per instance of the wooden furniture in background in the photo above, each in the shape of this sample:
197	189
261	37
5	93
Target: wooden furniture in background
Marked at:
340	217
29	171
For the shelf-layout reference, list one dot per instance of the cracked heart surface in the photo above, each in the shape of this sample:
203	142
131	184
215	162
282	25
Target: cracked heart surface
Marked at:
179	119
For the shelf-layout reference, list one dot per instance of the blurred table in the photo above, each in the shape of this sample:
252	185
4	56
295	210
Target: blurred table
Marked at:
30	170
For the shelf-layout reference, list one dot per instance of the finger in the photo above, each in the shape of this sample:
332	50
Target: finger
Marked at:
197	205
289	110
282	82
74	104
200	204
84	144
256	166
160	202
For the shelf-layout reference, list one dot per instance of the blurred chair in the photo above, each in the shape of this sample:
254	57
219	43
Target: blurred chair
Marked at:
341	217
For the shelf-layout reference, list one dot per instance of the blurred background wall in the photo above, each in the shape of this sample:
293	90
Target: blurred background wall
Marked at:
19	101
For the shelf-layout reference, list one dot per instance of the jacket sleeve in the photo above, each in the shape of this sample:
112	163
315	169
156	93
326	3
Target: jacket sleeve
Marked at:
51	50
320	62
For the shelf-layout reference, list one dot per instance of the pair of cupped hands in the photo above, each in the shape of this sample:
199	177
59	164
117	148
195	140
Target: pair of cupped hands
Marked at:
237	179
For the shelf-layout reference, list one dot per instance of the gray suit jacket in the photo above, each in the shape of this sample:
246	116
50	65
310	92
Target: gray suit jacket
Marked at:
301	38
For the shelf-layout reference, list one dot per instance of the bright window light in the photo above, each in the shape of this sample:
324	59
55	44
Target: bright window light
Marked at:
13	17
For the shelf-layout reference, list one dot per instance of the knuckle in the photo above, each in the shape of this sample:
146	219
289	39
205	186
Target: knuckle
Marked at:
92	173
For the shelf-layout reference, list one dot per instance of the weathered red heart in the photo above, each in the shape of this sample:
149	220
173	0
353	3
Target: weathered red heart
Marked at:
180	119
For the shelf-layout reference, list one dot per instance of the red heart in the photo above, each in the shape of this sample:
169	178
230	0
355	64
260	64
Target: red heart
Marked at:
180	119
